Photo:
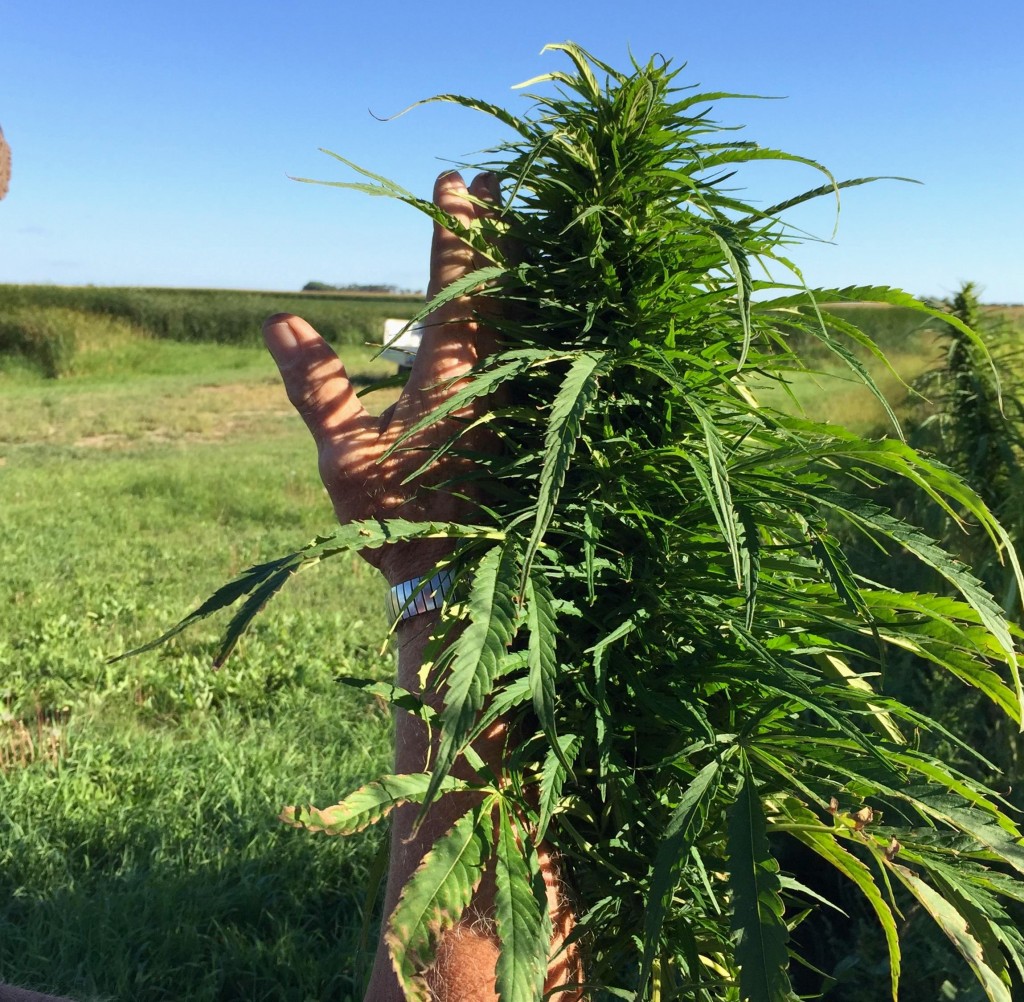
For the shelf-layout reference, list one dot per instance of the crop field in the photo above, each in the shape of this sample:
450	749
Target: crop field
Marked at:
47	326
140	855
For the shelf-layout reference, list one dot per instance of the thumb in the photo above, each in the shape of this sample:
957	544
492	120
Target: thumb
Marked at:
314	378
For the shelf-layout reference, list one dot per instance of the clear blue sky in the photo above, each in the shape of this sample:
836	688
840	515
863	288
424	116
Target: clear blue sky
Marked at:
153	142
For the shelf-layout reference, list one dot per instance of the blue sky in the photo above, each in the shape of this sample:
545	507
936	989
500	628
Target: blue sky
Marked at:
153	142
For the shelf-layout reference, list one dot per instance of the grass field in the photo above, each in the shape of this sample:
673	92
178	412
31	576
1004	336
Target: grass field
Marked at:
140	855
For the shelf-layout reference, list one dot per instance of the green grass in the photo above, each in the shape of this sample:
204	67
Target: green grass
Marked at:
140	855
833	394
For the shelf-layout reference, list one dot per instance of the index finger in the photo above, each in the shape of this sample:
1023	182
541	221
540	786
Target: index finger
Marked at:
313	376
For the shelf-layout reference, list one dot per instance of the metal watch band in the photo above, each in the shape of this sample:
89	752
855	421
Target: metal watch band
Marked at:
413	597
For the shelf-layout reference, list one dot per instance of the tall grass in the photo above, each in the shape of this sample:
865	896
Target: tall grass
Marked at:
44	338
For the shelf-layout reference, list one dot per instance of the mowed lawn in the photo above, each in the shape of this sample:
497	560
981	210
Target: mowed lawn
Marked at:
140	855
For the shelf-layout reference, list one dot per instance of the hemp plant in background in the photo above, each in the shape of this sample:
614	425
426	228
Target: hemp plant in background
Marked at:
656	596
976	427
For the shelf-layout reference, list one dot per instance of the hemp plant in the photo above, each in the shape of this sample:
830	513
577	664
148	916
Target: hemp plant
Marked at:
655	595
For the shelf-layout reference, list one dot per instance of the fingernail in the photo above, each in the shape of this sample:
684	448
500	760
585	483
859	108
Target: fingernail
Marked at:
492	183
278	334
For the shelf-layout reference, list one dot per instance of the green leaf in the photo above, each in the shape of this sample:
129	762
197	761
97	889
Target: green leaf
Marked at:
726	515
570	404
880	718
436	896
685	825
472	283
477	653
758	921
739	266
244	616
264	580
475	104
875	520
480	384
367	805
250	580
521	914
393	695
542	655
556	768
955	926
832	188
823	842
992	829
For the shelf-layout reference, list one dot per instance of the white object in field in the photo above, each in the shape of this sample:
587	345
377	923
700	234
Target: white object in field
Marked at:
401	345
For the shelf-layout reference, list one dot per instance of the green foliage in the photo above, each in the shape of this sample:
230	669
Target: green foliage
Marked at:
976	426
757	903
43	338
215	315
663	606
382	289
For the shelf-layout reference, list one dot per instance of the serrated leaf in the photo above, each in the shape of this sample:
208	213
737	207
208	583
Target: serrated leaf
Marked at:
992	829
683	828
247	582
478	384
758	922
881	719
738	264
367	805
570	404
823	843
542	653
436	896
956	928
726	515
555	770
239	623
393	695
477	653
521	915
264	580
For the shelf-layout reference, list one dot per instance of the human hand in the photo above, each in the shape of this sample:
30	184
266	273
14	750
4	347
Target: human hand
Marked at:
5	164
351	442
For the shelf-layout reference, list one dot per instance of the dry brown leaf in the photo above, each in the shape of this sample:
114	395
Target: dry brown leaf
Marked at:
862	817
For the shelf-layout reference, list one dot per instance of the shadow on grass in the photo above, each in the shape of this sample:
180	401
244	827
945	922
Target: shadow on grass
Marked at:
277	920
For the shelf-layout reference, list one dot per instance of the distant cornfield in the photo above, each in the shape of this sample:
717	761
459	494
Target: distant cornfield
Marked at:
214	315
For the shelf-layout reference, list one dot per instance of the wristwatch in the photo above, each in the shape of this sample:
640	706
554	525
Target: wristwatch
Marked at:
418	595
